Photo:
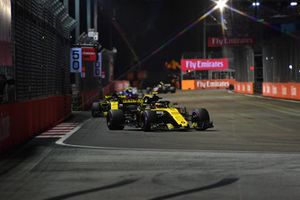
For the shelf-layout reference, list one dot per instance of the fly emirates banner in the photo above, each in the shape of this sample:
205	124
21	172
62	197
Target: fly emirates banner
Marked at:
204	64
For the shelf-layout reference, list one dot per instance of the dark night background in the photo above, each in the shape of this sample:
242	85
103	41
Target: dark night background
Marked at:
148	24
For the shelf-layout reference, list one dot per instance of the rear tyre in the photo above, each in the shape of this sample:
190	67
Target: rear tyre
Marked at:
147	119
148	90
200	117
95	109
172	89
164	89
115	120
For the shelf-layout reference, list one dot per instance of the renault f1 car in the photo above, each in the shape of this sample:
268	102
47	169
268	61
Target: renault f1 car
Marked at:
122	101
164	88
155	114
100	108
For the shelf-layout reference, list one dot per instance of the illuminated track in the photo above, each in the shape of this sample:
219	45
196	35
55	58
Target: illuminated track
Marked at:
253	153
241	123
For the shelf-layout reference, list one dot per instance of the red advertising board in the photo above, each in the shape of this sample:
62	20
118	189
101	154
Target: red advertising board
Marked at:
204	64
223	41
244	87
282	90
89	54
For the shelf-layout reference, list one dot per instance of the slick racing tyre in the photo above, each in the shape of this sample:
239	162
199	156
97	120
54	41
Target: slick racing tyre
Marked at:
147	119
95	109
201	119
172	89
164	89
115	120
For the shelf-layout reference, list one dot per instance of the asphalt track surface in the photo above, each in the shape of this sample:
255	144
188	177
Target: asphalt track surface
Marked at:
252	153
242	123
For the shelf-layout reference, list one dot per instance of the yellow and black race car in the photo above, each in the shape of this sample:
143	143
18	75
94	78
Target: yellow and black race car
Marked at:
100	108
155	114
127	98
115	101
162	88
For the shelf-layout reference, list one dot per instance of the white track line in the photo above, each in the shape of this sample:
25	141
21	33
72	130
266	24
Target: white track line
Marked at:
62	140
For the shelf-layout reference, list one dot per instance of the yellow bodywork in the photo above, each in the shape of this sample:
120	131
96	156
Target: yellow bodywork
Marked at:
170	126
114	105
194	125
180	120
132	101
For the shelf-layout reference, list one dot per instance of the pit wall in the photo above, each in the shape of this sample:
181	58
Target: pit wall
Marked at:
206	84
24	120
282	90
244	87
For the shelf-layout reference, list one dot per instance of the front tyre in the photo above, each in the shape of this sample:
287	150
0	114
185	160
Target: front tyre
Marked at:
172	89
201	119
147	119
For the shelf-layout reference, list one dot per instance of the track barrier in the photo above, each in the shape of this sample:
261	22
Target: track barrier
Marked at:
282	90
244	87
24	120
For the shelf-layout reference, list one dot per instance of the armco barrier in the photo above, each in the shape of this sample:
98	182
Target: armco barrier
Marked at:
244	87
282	90
21	121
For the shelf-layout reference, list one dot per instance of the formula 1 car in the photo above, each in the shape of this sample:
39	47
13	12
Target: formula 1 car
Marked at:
100	108
123	100
164	88
154	114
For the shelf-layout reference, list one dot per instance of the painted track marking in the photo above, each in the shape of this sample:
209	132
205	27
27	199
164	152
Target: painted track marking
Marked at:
59	131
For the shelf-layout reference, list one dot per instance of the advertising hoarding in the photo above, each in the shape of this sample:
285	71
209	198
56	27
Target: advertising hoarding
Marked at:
204	64
89	54
207	84
224	41
214	84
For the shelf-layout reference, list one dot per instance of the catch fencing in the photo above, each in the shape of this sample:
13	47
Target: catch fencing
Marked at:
41	53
